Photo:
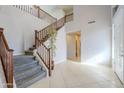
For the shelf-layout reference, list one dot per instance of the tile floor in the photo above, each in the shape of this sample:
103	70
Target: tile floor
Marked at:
76	75
77	59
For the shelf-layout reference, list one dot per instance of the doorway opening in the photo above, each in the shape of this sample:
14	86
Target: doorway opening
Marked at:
74	46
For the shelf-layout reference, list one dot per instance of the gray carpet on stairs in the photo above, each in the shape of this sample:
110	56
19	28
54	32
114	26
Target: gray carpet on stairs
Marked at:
27	71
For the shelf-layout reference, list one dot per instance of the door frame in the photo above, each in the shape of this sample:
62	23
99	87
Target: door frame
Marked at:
75	42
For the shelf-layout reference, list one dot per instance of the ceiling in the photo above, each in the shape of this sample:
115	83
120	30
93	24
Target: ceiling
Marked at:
66	8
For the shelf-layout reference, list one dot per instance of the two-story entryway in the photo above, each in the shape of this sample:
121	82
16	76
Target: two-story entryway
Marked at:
61	46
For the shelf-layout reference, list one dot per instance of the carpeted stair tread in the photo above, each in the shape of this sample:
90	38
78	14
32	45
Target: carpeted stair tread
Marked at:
23	56
23	59
30	80
24	67
27	73
21	64
27	70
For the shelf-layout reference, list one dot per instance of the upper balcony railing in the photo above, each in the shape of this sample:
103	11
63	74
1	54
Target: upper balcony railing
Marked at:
37	12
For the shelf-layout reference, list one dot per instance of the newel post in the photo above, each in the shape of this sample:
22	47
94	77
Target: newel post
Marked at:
1	30
36	38
10	69
49	62
38	12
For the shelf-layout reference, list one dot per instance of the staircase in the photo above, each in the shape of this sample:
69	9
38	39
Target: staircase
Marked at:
27	70
45	53
30	51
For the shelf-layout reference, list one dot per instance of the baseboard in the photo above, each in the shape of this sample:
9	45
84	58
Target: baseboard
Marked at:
61	61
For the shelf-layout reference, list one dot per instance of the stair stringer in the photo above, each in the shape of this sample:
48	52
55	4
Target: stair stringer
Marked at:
41	62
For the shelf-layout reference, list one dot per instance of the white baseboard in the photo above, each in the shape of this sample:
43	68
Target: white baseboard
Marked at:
61	61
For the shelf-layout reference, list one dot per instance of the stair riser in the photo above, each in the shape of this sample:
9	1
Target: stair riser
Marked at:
28	53
32	48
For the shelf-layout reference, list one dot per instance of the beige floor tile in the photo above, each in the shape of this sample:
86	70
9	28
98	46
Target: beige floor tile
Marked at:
76	75
44	83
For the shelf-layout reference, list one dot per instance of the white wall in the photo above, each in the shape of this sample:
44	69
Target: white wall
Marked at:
95	38
61	46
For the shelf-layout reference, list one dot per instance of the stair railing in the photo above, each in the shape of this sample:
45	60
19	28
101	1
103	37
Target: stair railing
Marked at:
69	17
45	53
6	56
44	33
36	11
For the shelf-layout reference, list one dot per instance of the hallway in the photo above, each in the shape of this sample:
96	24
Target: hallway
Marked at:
75	75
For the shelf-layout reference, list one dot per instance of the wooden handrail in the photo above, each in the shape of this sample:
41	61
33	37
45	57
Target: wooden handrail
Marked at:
46	27
6	45
49	62
42	44
69	14
44	54
42	35
6	56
